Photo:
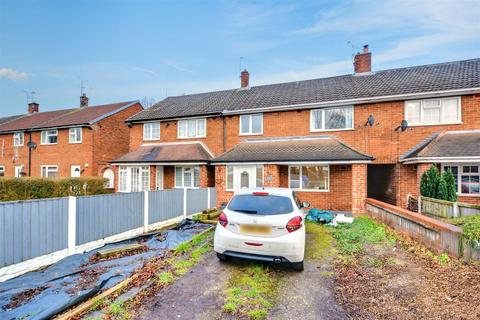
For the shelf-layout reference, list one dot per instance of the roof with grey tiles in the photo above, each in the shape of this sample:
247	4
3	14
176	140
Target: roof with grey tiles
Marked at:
419	79
171	152
451	144
300	149
63	117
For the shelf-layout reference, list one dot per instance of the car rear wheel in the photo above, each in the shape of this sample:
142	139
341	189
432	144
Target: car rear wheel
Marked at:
297	266
222	257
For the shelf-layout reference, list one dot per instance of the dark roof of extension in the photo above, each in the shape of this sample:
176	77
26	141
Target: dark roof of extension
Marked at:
167	152
451	144
9	118
61	118
419	79
300	149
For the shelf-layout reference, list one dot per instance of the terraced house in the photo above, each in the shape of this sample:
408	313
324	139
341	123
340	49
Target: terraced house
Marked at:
65	143
335	140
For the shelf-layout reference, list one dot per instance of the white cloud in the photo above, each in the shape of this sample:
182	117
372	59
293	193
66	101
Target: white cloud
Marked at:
177	66
13	74
148	71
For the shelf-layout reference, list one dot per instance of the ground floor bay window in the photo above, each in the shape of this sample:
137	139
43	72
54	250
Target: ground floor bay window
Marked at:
133	178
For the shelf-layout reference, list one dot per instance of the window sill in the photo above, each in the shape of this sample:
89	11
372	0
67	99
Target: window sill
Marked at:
48	144
474	195
251	134
332	130
199	137
151	139
309	190
75	142
20	145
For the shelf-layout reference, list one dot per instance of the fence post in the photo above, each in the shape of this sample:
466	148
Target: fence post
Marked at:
184	203
419	204
208	198
455	210
72	225
145	211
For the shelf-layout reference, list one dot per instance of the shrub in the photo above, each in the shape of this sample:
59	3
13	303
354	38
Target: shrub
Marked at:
429	182
37	188
471	229
434	185
451	188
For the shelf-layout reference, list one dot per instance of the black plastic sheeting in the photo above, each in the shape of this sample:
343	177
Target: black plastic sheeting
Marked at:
61	281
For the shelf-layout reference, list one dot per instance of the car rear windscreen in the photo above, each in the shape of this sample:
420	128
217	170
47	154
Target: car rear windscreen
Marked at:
263	205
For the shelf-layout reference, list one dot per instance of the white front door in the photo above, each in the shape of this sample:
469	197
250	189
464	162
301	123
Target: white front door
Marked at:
18	171
75	171
244	177
159	178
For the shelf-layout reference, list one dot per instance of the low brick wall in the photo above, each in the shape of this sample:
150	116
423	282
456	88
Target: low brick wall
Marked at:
435	235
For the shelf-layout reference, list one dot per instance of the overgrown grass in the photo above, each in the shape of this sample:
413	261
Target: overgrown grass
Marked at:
352	238
471	229
319	242
117	310
251	291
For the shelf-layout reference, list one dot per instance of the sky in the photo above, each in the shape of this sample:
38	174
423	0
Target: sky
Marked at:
127	50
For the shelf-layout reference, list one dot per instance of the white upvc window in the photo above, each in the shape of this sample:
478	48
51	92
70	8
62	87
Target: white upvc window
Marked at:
309	177
251	124
49	137
192	128
18	139
467	177
151	131
433	111
331	119
133	178
187	177
49	171
75	135
2	171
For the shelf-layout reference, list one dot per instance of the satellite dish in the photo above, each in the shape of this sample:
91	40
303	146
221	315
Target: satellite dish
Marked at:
404	125
371	120
31	144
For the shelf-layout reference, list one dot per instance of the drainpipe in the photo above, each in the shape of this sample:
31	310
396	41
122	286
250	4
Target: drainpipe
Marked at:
224	131
29	154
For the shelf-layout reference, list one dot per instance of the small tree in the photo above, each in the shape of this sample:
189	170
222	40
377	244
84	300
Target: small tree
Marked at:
451	194
442	190
429	182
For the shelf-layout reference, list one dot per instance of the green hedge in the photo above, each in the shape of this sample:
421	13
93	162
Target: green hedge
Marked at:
37	188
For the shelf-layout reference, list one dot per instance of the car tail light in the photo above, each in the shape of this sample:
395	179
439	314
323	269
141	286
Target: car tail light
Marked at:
260	193
294	224
222	219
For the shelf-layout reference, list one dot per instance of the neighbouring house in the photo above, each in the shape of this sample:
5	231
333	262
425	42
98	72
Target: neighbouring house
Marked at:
335	140
65	143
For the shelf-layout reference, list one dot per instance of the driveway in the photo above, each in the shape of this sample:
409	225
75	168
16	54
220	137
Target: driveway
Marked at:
200	294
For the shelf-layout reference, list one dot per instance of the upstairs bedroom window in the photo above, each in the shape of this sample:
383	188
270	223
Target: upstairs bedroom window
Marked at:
18	139
327	119
49	137
151	131
191	128
433	111
251	124
75	135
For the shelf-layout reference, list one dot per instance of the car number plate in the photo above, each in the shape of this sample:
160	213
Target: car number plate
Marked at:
255	229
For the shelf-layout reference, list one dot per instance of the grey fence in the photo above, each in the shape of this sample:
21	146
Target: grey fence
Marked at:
102	216
32	228
164	205
213	198
197	200
447	209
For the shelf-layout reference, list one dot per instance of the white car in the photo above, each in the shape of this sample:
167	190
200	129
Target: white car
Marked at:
264	224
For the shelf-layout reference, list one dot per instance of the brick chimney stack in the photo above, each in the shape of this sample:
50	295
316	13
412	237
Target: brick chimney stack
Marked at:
33	107
363	61
245	79
83	100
